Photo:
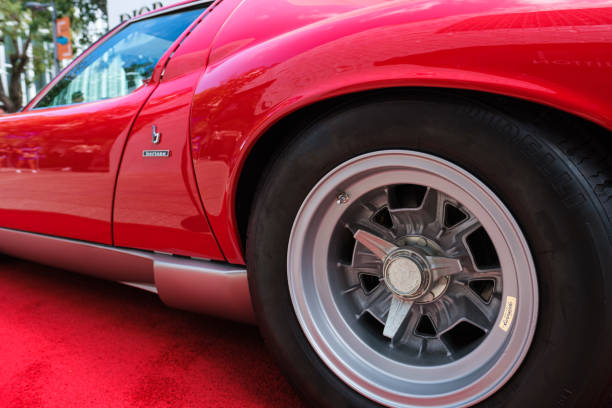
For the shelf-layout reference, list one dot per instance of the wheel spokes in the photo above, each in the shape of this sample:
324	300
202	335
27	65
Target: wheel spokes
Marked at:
377	297
432	205
451	238
388	227
426	216
467	274
367	269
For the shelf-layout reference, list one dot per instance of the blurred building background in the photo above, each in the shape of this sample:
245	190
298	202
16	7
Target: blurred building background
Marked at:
27	60
121	10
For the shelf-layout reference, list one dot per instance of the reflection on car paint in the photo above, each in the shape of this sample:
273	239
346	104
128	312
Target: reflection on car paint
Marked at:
297	53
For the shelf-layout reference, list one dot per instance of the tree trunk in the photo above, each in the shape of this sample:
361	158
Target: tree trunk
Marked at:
7	103
14	100
15	92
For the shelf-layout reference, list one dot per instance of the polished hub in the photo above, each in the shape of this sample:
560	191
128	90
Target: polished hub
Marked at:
419	247
403	276
406	274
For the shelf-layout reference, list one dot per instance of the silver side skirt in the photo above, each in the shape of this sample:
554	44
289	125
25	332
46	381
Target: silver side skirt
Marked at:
201	286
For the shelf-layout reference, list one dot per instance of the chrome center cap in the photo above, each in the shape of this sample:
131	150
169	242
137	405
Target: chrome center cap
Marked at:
403	276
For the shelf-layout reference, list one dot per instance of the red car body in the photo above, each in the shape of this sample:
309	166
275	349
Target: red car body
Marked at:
81	189
243	67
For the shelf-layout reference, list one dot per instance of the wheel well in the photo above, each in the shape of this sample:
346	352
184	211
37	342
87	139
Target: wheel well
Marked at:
281	133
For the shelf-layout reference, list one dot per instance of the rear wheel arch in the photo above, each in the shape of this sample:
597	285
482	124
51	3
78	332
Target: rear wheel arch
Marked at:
279	134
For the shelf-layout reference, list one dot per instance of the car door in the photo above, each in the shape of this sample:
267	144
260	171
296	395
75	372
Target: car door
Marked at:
157	202
60	157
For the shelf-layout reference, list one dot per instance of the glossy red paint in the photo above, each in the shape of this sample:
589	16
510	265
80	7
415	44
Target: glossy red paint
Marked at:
59	166
248	65
157	204
272	58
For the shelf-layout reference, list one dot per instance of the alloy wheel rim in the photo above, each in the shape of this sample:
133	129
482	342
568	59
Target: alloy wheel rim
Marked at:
410	316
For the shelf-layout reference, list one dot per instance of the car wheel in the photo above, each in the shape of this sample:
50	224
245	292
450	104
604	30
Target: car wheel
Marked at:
416	252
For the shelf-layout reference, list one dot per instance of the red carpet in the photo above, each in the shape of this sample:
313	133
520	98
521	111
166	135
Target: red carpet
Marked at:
71	341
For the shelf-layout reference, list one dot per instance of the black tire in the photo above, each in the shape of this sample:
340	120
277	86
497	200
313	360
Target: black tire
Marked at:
557	185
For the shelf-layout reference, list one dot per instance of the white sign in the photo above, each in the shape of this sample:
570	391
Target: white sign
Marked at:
121	10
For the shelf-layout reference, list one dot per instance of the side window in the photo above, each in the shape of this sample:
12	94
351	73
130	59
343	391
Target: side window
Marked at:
122	63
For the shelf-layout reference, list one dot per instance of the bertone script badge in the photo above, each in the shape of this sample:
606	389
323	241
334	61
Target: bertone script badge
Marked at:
156	153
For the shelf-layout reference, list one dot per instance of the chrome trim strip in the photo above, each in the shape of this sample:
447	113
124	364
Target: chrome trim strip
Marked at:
200	286
148	287
76	256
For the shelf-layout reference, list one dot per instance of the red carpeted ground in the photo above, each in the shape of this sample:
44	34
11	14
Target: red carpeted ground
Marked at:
71	341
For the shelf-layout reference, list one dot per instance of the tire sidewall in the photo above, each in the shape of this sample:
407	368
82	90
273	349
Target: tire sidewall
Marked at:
565	226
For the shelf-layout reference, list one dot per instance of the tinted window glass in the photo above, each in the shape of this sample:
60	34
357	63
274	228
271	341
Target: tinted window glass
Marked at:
122	63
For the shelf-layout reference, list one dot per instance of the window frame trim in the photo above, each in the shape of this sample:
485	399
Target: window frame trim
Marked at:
159	67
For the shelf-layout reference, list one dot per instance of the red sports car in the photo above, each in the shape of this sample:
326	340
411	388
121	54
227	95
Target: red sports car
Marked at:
412	199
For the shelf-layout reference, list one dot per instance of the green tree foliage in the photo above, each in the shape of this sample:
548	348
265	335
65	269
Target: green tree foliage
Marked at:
34	28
